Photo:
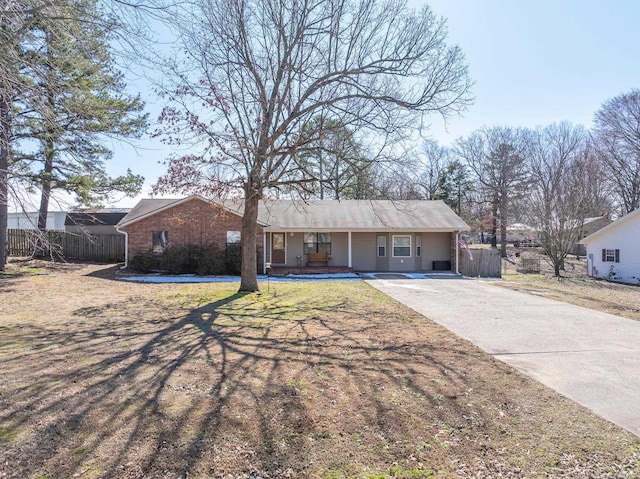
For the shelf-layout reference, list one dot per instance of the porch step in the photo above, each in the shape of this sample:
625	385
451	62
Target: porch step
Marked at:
285	270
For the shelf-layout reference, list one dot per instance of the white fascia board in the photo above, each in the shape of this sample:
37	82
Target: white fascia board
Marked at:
610	227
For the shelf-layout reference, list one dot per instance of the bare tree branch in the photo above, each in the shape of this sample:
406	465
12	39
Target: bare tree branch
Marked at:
257	73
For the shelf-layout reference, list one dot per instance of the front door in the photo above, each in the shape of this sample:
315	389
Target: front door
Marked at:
277	248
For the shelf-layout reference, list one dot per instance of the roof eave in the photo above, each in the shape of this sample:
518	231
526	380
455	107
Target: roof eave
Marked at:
179	202
610	227
337	229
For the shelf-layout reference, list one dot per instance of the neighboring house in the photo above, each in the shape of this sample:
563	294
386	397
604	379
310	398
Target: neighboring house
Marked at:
96	221
613	253
28	220
590	226
520	232
359	235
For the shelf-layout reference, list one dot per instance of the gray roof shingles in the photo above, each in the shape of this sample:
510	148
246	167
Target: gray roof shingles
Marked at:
345	215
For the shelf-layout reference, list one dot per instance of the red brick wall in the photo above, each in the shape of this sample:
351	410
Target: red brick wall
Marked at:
192	222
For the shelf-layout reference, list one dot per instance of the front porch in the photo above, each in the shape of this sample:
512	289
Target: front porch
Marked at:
298	252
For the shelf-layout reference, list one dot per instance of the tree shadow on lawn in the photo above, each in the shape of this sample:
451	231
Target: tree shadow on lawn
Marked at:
241	385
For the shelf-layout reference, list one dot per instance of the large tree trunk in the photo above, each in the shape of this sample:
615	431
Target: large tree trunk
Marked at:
4	167
248	272
47	173
503	229
46	185
494	224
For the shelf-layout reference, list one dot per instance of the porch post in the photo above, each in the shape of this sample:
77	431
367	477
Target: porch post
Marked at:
349	248
457	253
264	252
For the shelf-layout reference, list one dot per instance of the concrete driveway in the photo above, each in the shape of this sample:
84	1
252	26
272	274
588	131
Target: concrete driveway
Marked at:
592	358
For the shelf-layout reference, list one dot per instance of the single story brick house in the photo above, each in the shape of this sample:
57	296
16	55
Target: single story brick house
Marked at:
612	251
377	235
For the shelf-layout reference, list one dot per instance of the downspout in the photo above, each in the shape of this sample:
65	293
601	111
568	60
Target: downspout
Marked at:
349	259
126	247
457	253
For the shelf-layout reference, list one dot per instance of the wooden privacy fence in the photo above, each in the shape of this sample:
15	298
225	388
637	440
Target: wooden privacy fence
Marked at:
60	244
485	263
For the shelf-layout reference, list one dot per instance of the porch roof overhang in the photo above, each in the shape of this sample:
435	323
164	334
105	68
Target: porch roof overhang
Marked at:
360	216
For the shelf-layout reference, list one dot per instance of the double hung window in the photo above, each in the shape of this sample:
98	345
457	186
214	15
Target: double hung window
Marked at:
317	243
402	246
611	255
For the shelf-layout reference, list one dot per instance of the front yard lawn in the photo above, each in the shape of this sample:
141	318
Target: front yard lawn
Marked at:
107	379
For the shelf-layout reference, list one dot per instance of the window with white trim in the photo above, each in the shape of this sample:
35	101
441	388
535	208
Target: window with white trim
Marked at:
418	246
382	246
401	246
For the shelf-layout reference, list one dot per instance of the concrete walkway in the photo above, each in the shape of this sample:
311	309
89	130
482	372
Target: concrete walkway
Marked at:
592	358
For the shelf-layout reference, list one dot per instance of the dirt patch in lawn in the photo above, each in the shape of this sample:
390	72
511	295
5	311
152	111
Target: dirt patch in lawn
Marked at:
109	379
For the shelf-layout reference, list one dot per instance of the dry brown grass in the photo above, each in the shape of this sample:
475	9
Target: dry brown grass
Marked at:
573	287
109	379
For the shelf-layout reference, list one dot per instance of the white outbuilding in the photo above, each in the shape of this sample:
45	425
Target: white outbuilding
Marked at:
613	252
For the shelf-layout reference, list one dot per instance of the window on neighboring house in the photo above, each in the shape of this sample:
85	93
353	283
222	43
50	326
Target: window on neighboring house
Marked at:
402	246
382	246
418	246
233	237
160	241
317	243
611	255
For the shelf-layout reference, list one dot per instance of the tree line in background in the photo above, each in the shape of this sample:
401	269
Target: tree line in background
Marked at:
551	178
295	99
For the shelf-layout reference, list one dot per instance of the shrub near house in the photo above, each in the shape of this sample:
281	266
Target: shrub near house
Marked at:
191	236
190	259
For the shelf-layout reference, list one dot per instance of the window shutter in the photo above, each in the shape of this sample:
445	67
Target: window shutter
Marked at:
617	256
604	255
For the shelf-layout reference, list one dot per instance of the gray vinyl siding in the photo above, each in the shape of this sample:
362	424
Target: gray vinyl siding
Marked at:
404	263
339	249
363	252
382	262
435	247
294	245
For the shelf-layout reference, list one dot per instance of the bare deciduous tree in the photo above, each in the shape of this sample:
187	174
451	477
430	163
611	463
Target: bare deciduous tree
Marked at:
617	138
496	156
259	71
434	161
556	202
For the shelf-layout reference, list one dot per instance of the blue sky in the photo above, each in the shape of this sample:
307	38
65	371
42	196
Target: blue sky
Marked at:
533	63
